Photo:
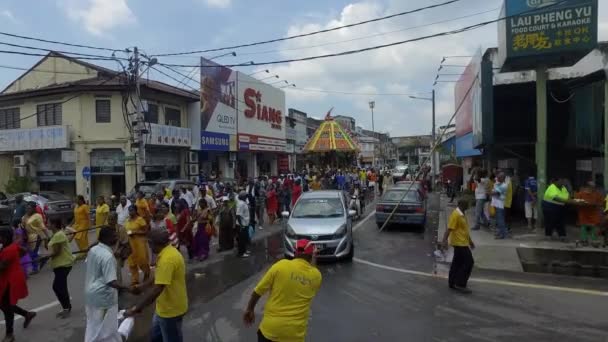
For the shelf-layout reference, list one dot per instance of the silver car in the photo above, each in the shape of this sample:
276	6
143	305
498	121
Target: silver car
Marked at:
321	217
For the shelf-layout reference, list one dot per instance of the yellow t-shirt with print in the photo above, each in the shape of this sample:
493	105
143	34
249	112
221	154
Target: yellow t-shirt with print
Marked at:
459	229
171	272
292	285
101	216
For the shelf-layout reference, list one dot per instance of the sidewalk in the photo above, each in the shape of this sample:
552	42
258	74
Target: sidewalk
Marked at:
523	248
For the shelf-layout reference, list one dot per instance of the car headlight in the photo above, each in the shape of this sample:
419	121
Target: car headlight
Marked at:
290	233
340	232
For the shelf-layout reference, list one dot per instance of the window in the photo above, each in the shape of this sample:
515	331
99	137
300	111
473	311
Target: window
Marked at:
49	114
9	118
152	114
172	117
318	208
102	111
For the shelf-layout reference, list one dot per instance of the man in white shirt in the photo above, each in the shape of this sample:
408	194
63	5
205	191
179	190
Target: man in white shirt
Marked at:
242	220
122	210
188	196
101	290
498	201
481	197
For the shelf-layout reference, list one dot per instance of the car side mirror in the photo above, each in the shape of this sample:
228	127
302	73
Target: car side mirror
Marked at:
285	214
352	213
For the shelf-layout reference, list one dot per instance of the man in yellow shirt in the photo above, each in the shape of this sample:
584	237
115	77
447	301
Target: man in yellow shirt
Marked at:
460	240
169	290
292	285
101	213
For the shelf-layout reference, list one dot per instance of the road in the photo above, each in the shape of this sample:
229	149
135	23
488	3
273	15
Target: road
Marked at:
392	291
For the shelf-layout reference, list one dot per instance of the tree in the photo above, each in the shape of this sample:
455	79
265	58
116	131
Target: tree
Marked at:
18	184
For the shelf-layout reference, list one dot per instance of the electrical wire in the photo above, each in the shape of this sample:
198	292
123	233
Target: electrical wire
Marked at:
376	47
58	51
61	43
350	93
43	71
22	53
311	33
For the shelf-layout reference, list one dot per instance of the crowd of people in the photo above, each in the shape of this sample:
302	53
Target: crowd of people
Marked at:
495	195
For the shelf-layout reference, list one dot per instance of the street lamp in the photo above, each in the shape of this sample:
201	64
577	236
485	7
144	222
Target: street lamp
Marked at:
260	71
289	85
433	159
372	104
269	77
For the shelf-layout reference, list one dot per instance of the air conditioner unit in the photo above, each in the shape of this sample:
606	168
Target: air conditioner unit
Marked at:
193	157
19	160
193	169
20	171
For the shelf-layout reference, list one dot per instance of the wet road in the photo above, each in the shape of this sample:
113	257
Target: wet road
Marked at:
389	293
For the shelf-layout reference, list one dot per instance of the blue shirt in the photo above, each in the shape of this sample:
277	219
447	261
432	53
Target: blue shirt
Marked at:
101	270
530	184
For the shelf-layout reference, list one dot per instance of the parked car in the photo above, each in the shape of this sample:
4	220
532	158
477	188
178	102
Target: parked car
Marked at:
321	217
54	204
149	187
417	185
411	207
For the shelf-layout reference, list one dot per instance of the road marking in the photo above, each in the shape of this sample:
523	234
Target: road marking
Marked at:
360	224
38	309
488	281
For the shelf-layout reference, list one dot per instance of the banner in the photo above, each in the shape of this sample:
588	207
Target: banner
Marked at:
218	98
261	115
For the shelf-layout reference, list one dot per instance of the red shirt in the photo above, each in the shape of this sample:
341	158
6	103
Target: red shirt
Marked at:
13	276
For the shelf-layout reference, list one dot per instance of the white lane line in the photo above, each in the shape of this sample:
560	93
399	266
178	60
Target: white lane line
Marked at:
38	309
488	281
360	224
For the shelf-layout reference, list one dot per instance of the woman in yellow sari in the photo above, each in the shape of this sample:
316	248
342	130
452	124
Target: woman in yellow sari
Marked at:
137	228
81	225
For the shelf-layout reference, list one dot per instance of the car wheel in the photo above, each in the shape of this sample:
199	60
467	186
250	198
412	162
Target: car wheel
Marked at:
351	254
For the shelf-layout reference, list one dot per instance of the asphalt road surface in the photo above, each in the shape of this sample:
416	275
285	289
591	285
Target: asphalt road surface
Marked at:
392	291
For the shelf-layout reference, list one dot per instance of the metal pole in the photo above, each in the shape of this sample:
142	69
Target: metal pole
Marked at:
433	153
606	131
141	150
541	138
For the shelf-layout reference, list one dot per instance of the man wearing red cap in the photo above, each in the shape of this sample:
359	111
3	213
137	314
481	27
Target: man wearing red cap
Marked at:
292	285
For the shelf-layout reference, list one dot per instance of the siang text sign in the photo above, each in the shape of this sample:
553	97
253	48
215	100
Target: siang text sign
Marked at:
255	108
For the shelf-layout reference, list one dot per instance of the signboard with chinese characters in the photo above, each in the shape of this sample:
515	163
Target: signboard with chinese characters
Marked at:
552	33
27	139
164	135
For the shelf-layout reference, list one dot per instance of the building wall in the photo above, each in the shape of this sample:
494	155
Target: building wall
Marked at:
51	71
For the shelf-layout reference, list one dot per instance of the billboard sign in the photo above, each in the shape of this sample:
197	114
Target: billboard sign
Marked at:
40	138
468	103
552	32
261	115
211	141
218	98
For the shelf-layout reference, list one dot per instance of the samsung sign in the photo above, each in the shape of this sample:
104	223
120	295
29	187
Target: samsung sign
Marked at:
553	33
211	141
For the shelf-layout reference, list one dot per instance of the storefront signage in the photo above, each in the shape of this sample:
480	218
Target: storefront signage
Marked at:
261	110
218	98
211	141
551	32
40	138
164	135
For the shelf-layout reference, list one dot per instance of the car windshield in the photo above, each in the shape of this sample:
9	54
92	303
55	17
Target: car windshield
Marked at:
318	208
55	196
397	195
148	188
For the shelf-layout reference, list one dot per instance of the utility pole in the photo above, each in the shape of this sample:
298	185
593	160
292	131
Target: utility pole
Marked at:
433	146
140	130
372	104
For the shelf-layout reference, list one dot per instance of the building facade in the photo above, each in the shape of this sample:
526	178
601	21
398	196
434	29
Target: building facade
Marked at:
65	124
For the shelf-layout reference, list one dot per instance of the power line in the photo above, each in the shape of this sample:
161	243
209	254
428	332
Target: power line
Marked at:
311	33
58	51
376	47
61	43
43	71
350	93
22	53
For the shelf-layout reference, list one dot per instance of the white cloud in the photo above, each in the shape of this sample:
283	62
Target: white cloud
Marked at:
8	15
99	16
218	3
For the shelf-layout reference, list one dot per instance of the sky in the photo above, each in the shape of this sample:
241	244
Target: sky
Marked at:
184	25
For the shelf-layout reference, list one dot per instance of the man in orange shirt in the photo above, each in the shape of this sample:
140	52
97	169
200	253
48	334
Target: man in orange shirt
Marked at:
590	202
